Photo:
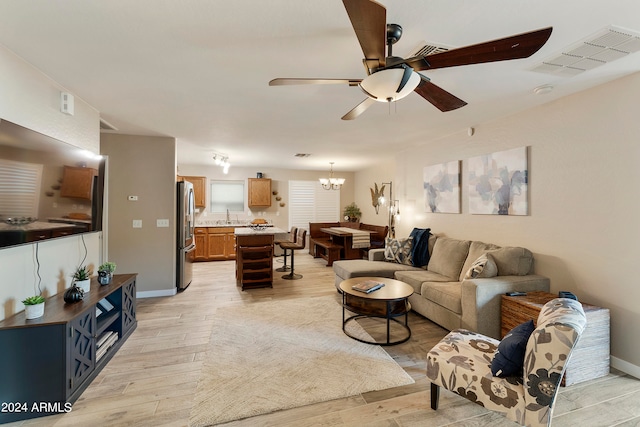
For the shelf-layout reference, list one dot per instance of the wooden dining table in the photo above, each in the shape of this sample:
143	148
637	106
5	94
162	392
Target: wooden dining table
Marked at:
351	239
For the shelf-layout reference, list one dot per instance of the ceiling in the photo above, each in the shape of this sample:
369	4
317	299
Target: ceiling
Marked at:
198	70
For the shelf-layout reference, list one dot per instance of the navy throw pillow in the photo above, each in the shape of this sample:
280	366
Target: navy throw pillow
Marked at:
509	359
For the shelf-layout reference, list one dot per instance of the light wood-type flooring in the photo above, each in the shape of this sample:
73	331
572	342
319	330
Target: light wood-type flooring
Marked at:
152	379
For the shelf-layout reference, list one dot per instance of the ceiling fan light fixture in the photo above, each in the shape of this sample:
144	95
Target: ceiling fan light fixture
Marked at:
384	85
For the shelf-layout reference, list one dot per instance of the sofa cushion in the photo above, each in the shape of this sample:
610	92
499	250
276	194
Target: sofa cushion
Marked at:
346	269
509	359
445	294
398	250
476	249
416	278
448	257
483	267
512	261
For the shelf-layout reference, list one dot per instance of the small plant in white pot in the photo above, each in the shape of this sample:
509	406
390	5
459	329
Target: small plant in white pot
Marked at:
82	278
33	307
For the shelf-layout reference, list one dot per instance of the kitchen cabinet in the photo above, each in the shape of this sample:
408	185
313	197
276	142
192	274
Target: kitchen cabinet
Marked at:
199	189
222	243
202	241
54	358
215	243
77	182
259	193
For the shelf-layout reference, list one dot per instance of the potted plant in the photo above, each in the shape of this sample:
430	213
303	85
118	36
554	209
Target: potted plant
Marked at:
105	272
352	212
82	278
33	307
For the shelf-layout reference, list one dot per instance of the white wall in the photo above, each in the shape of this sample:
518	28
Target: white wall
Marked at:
31	99
584	172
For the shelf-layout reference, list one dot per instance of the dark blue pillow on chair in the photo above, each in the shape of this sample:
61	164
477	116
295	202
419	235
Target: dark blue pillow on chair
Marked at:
509	359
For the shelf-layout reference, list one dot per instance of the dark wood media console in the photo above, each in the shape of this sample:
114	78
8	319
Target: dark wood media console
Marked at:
46	363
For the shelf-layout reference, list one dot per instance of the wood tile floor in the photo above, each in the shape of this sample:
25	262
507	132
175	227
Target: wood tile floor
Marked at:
151	381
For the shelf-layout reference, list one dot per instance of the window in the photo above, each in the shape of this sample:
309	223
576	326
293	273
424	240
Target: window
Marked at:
227	195
309	202
19	188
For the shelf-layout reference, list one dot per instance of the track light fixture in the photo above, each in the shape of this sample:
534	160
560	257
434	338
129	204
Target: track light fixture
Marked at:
222	161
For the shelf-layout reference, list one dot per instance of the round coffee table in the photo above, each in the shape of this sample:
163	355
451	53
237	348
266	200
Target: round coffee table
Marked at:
388	302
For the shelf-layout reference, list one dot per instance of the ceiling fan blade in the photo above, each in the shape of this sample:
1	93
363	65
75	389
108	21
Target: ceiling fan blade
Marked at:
514	47
285	81
440	98
369	21
359	109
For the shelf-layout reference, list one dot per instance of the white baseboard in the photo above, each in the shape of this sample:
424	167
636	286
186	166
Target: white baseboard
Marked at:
159	293
626	367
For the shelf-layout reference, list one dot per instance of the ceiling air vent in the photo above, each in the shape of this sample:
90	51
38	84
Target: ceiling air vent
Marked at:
105	125
424	49
302	155
606	45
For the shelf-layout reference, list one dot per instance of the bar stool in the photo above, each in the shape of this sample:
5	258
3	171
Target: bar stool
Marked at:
301	241
292	238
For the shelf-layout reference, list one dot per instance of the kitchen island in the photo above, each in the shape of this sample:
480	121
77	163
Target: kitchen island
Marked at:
254	256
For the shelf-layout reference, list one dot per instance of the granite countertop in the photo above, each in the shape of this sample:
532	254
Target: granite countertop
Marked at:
248	231
220	223
70	220
37	225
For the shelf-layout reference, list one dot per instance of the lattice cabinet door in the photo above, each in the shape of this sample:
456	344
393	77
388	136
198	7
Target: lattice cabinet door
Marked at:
128	306
82	349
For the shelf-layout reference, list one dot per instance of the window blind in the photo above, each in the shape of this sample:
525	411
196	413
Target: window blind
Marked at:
309	202
20	185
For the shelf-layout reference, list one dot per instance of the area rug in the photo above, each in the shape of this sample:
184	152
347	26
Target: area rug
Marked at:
276	355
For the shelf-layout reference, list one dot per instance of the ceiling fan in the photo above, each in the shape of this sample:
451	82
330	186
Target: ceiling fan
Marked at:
391	78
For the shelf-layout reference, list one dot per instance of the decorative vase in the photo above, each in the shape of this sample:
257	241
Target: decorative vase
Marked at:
73	294
104	277
85	285
34	311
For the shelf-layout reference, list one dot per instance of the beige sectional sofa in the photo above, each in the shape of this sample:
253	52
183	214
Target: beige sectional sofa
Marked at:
461	287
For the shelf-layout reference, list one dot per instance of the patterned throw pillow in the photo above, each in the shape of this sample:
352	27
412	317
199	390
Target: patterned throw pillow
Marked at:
484	266
398	250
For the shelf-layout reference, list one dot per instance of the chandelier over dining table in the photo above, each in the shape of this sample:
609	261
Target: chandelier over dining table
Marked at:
331	183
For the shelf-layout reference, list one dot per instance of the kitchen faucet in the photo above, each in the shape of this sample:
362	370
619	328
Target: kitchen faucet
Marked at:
228	219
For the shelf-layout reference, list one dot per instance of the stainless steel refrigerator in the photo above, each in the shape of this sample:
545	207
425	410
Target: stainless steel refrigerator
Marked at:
186	242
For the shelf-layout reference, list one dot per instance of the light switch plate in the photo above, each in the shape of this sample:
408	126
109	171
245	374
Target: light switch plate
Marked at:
162	222
137	223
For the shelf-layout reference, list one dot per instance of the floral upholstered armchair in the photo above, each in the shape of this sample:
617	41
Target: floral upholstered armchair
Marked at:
462	363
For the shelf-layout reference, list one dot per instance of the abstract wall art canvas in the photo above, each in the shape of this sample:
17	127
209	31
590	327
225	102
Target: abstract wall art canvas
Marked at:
498	183
441	185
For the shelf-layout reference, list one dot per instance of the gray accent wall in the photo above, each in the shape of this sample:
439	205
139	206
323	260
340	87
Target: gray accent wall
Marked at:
142	166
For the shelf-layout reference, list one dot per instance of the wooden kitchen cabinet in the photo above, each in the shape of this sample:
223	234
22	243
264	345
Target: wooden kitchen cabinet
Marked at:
77	182
199	189
222	243
202	242
259	193
215	243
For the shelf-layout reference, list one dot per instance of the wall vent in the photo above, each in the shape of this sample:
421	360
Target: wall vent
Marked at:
606	45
